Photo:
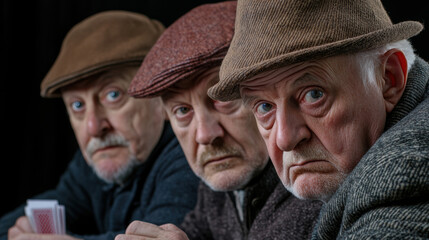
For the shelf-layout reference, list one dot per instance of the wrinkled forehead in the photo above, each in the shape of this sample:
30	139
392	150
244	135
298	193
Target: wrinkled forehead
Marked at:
296	72
267	80
274	76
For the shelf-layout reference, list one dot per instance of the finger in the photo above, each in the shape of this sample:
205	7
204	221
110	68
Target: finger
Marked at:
24	236
170	227
37	236
172	232
143	228
131	237
23	223
13	232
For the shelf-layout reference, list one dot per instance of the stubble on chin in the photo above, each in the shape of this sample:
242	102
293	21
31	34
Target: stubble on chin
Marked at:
315	185
110	172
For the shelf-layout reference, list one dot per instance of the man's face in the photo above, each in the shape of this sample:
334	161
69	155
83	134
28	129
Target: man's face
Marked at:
318	120
220	139
114	131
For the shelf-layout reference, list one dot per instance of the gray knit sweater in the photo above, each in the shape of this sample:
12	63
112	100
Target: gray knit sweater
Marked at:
387	194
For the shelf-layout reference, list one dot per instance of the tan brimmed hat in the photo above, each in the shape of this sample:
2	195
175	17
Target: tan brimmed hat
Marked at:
195	42
105	40
273	33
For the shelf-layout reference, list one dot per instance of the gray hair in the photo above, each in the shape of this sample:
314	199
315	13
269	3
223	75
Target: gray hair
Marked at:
368	60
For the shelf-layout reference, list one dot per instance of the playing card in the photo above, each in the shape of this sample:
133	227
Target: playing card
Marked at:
30	217
62	219
46	216
44	220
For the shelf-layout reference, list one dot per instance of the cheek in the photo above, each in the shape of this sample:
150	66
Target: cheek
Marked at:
246	132
255	134
186	139
265	133
80	133
141	129
276	155
342	133
188	145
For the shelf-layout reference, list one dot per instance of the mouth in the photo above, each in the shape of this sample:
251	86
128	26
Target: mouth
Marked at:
304	163
309	167
107	148
218	159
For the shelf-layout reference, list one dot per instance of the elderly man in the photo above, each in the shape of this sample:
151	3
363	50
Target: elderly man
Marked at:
342	103
130	165
240	196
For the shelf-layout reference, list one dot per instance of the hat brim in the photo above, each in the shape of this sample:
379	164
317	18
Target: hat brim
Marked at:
171	77
53	90
228	88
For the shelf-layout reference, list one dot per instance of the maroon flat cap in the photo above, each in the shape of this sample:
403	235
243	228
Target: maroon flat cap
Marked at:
199	39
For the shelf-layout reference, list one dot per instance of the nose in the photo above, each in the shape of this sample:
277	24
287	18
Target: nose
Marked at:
291	130
97	123
208	128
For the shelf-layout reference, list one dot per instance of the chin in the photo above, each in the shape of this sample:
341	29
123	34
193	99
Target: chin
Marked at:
112	172
315	187
107	174
223	187
228	181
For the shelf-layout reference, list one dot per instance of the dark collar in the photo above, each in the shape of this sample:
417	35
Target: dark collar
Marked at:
257	193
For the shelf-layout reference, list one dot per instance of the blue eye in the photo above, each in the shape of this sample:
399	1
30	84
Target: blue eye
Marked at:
264	108
313	96
77	105
182	111
112	95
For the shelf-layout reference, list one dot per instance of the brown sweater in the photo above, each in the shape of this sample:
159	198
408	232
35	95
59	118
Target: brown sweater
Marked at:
270	212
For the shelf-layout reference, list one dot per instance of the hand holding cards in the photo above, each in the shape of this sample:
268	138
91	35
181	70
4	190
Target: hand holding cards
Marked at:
46	216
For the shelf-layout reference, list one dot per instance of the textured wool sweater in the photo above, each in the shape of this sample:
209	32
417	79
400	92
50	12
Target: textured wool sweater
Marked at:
269	212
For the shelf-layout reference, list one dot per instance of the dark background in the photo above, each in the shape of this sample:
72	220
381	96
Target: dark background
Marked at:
37	139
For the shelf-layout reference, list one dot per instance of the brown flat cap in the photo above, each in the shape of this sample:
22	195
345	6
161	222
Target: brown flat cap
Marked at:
272	33
100	42
197	40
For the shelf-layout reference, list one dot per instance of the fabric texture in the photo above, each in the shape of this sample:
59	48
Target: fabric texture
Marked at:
102	41
162	190
270	34
269	212
197	40
387	194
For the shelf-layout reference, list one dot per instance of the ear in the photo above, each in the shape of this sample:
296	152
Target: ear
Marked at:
394	77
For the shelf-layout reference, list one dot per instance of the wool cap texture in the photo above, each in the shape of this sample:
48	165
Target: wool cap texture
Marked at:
271	34
196	41
100	42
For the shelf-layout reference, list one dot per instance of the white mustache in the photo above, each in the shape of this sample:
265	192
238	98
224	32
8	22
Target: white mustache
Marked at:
217	152
110	140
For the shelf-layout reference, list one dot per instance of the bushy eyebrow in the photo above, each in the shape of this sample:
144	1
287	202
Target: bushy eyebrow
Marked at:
306	78
249	99
171	93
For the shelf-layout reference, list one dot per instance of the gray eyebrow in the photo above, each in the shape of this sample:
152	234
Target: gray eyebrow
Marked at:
303	79
247	100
